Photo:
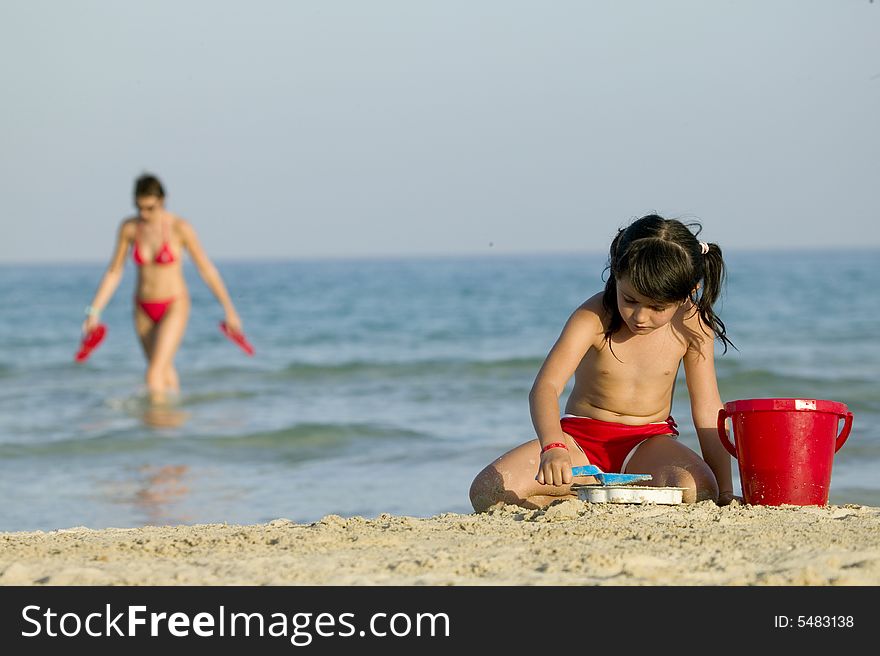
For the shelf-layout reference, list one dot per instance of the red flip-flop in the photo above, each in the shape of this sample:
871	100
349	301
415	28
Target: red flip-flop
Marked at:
90	342
238	338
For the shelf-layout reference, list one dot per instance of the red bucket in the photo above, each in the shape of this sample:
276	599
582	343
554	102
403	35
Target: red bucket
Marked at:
785	447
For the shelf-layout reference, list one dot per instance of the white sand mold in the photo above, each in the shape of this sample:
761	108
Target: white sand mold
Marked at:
629	494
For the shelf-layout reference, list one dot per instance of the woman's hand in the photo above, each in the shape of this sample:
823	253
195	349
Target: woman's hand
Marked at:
91	321
233	322
555	467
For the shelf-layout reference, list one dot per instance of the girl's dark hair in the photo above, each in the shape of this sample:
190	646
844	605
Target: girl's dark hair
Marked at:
148	185
664	261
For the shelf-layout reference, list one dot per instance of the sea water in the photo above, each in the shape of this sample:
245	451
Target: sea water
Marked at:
378	386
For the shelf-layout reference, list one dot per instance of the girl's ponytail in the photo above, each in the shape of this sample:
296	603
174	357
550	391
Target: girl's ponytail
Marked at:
714	274
609	297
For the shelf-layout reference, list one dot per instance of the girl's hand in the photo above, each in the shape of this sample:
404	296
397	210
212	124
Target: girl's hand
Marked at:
726	498
555	467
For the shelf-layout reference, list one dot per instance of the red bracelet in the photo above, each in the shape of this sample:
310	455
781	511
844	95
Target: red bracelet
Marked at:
554	445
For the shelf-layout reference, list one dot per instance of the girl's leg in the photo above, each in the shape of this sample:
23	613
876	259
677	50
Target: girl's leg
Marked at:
672	464
511	479
169	333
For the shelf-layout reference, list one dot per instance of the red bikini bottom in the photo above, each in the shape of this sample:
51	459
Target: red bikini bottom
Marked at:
607	444
155	309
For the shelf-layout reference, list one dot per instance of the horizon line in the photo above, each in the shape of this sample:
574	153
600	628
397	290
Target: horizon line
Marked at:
444	255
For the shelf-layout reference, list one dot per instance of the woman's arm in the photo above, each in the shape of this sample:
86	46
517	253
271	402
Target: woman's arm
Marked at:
209	273
112	276
576	338
699	368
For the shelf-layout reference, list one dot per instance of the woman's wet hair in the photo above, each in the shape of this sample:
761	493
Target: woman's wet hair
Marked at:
148	185
663	260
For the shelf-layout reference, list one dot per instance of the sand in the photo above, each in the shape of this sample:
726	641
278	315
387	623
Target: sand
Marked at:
569	543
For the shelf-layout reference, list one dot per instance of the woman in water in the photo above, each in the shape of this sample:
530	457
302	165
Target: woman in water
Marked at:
157	239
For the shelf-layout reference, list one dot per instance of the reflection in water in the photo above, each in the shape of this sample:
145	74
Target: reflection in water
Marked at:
161	489
165	413
163	416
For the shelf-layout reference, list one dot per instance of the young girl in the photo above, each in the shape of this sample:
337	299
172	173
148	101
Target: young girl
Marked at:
624	347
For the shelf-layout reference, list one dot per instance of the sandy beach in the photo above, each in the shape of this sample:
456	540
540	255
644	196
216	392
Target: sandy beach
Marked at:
569	543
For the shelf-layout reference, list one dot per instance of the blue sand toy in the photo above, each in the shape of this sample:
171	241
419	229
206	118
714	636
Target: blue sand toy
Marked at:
609	479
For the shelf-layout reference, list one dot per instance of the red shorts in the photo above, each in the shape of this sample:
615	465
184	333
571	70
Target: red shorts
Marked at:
607	444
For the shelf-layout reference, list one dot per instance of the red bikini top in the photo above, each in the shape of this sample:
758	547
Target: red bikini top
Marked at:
163	256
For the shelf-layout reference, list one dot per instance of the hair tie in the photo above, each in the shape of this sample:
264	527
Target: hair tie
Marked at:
704	247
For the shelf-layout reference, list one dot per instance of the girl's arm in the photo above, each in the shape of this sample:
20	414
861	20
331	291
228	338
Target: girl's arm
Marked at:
112	277
699	367
574	341
209	273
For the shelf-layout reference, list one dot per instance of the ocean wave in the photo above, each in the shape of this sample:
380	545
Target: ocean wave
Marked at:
139	403
408	368
101	443
829	381
299	440
311	435
198	398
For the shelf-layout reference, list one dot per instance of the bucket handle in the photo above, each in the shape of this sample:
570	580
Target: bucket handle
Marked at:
847	427
725	440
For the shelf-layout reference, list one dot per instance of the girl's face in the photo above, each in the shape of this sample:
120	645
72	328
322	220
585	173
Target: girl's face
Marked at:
641	314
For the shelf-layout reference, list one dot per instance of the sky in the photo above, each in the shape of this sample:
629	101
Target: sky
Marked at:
293	129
